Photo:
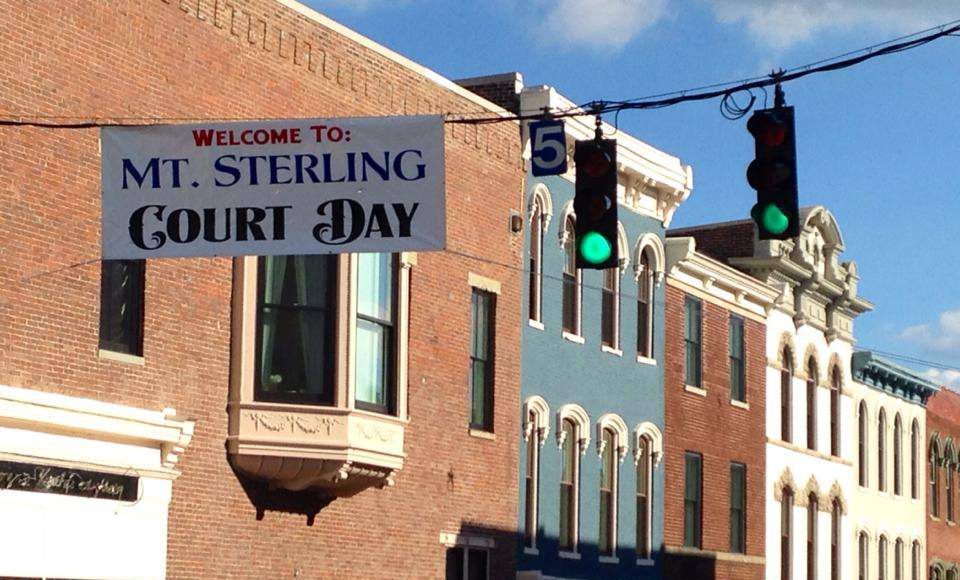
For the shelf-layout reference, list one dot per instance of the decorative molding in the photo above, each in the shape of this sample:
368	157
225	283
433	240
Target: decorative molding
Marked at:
786	341
540	194
372	432
615	423
836	494
580	418
538	406
291	422
623	248
653	434
810	353
566	212
786	481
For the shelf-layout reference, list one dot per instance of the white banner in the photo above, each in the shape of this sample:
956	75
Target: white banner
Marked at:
303	186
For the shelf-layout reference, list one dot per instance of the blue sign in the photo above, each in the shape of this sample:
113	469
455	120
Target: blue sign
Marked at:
548	150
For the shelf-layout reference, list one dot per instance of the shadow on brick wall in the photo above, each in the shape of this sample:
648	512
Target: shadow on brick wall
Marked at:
308	502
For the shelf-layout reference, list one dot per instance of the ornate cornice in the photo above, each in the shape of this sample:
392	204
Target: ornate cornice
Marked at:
883	375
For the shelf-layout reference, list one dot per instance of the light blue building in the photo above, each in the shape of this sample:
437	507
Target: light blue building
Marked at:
592	364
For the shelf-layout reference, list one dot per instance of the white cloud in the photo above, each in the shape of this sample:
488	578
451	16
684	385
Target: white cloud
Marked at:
944	337
599	23
782	23
949	378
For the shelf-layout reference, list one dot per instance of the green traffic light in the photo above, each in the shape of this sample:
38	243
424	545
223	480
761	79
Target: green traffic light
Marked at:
774	220
595	248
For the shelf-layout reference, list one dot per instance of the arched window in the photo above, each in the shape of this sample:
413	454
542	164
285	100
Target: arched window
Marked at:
836	512
882	559
915	561
608	493
571	280
934	479
535	434
862	444
882	450
535	283
812	512
610	309
949	468
645	283
863	553
914	458
898	560
786	396
812	380
786	534
897	455
644	496
835	413
569	485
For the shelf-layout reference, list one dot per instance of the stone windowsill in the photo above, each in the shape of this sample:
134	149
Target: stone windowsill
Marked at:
695	390
646	360
122	357
610	350
569	555
573	337
740	404
535	324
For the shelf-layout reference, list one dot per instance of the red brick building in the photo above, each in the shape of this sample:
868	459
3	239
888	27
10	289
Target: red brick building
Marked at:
714	397
943	534
418	490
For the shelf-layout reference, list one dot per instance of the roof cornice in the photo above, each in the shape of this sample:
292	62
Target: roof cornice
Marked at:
883	375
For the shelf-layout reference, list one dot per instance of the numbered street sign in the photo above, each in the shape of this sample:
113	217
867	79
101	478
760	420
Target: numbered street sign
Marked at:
548	151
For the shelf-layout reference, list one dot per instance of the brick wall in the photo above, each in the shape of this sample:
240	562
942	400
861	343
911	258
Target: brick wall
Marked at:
722	433
721	241
138	60
943	417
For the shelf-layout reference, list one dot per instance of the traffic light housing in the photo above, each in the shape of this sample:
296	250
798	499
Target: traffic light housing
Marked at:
595	203
773	173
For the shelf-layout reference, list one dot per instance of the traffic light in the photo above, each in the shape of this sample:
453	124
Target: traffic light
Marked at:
774	174
595	203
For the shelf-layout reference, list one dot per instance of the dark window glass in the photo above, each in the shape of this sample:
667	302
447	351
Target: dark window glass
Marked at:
568	487
477	564
691	337
898	560
455	564
897	456
645	307
531	519
536	256
376	333
948	476
863	549
835	413
915	562
738	508
812	405
571	282
297	329
786	534
121	305
934	482
882	559
882	451
692	495
862	445
786	397
610	308
608	493
467	564
738	380
812	511
835	531
914	458
644	494
482	331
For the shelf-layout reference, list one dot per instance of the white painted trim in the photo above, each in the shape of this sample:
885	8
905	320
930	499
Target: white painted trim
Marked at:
695	390
608	560
121	357
569	555
452	539
645	562
613	351
740	404
646	360
573	337
480	434
535	324
483	283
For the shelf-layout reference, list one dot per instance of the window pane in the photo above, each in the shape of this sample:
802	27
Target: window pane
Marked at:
481	361
692	486
738	481
373	349
737	379
121	306
455	564
477	565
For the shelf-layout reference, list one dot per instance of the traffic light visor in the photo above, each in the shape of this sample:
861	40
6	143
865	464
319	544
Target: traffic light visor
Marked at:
594	162
768	129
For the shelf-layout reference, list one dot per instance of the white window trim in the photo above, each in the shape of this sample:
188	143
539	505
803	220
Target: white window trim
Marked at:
621	435
539	427
581	420
613	348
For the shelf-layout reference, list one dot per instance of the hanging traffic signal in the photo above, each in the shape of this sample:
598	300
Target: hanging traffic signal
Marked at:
595	203
774	174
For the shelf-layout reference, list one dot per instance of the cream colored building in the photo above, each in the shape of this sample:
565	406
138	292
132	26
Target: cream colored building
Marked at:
888	505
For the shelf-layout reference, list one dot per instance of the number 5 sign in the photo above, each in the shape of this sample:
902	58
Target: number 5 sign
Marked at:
548	149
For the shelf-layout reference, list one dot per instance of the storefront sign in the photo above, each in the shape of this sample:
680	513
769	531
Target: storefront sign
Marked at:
303	186
65	481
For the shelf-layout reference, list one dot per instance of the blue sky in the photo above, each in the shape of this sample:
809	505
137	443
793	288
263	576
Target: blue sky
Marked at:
879	144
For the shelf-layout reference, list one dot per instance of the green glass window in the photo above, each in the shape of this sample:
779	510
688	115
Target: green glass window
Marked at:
376	332
481	359
568	487
738	508
692	500
738	380
691	338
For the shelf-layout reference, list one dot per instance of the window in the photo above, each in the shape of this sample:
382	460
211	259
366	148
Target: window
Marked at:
863	552
532	483
571	281
948	476
897	456
898	560
482	318
786	534
692	496
691	340
738	380
376	333
812	511
786	397
467	564
645	306
610	309
914	458
934	480
121	305
812	405
738	508
862	445
835	413
608	493
882	451
882	559
836	530
915	561
644	495
535	282
569	486
296	300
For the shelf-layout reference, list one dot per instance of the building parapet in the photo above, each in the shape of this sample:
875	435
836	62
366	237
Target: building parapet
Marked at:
883	375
